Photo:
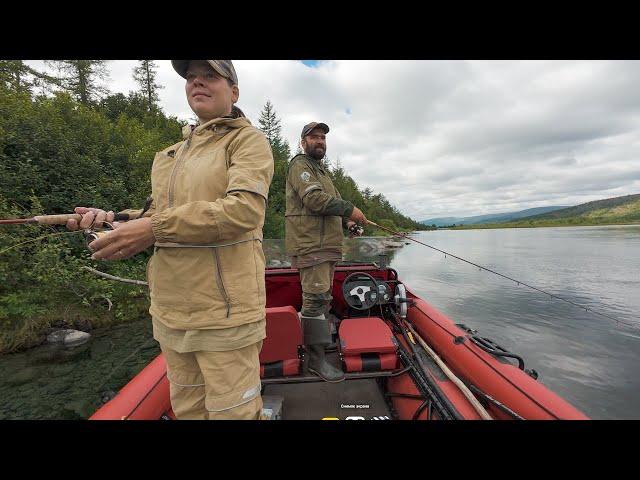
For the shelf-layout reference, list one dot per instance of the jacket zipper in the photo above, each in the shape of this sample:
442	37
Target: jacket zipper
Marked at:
174	173
321	172
220	282
176	167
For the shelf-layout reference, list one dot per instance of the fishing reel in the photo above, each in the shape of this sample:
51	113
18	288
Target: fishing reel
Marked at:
90	234
355	230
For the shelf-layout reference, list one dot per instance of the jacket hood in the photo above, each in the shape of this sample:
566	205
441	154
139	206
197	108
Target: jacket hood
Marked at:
226	122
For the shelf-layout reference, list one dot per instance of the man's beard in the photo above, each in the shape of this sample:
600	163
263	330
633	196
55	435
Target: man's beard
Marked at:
316	155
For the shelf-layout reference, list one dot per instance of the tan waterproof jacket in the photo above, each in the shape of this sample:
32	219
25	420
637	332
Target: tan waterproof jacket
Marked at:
210	193
315	212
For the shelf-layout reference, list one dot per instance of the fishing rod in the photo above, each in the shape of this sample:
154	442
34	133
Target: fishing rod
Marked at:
62	219
519	282
90	234
55	219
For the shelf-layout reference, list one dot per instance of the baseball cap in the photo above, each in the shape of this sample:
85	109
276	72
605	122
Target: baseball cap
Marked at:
223	68
310	126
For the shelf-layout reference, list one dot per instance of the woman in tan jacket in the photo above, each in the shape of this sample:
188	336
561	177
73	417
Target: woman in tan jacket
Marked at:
206	276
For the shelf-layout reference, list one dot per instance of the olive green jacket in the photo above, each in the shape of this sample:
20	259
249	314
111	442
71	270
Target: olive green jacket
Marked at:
315	213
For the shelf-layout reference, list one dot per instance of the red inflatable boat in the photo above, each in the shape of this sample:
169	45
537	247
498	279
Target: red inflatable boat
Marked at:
402	358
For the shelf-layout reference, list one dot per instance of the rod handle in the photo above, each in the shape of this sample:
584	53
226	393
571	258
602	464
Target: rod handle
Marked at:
63	218
57	219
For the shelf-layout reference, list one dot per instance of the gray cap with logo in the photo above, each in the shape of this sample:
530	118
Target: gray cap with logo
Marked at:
310	126
223	68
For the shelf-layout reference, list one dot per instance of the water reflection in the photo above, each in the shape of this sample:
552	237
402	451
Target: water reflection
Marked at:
363	249
587	359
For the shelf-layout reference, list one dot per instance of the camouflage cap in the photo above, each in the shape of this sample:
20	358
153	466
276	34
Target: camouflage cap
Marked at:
310	126
223	68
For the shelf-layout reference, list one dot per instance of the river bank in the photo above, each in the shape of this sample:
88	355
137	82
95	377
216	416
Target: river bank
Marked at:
489	226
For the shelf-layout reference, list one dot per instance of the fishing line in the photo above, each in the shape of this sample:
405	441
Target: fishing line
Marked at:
36	239
518	282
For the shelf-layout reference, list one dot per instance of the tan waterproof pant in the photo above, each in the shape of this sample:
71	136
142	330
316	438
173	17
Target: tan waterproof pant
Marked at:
317	283
215	385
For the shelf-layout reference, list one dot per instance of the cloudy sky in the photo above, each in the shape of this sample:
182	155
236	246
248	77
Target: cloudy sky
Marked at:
452	138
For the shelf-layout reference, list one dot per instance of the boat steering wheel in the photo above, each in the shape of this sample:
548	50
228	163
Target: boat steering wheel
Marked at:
360	291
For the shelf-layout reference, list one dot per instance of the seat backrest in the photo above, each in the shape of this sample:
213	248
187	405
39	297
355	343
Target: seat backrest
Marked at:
284	334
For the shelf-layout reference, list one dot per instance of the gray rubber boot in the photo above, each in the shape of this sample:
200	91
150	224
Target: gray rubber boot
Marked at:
316	337
318	365
333	323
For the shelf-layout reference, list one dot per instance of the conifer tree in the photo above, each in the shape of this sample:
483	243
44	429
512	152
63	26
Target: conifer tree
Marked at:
145	76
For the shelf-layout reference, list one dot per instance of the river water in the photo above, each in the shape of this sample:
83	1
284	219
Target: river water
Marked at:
590	360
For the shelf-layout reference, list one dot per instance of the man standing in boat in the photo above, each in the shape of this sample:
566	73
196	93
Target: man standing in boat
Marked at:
314	218
206	276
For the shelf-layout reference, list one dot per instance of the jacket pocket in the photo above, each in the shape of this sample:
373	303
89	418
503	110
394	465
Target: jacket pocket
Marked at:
149	270
333	232
260	263
183	279
242	273
220	281
307	231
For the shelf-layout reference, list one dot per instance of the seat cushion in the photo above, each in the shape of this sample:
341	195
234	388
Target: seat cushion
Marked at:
370	362
366	335
281	368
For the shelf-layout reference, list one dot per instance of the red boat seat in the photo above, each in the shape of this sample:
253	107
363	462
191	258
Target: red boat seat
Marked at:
367	344
370	362
279	354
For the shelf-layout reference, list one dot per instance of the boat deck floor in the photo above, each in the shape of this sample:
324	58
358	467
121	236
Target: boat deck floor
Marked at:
318	400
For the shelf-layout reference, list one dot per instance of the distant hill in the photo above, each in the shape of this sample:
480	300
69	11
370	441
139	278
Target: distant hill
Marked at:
614	210
610	211
442	221
490	218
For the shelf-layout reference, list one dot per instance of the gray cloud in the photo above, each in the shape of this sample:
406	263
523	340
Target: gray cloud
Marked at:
453	138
